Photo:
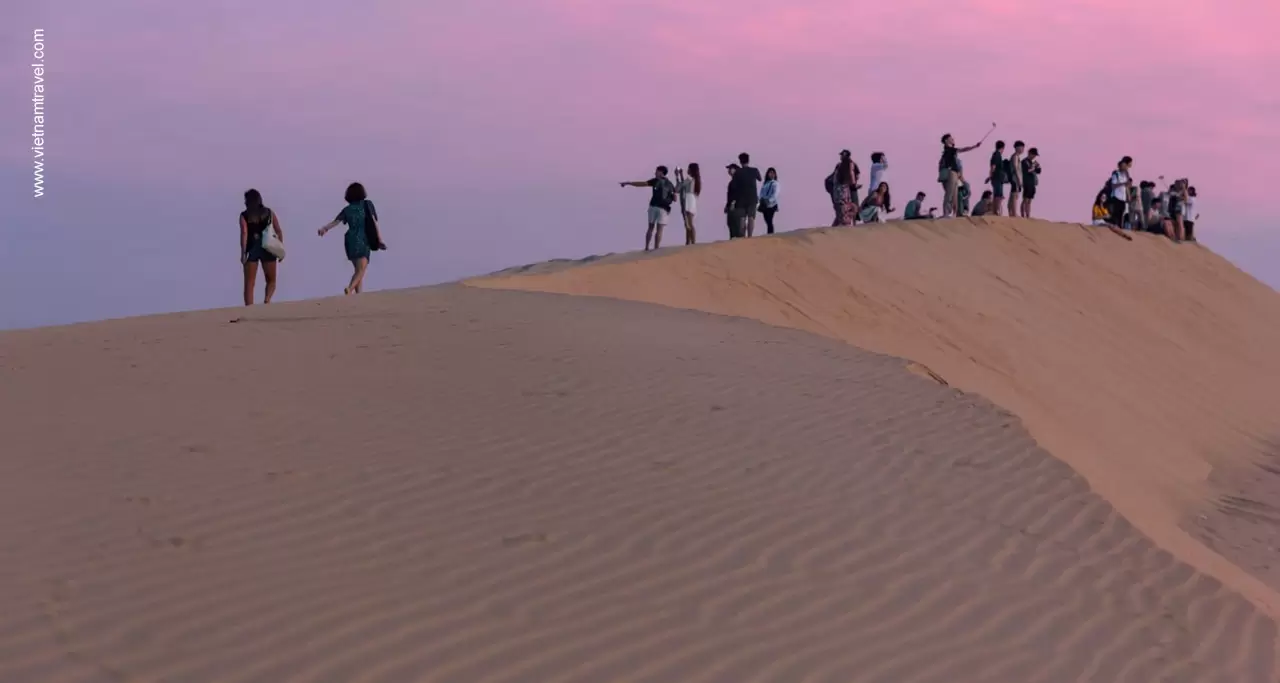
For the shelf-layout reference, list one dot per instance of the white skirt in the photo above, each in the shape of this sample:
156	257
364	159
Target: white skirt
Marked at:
690	204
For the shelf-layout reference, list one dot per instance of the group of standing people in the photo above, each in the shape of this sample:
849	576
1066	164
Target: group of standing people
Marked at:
262	239
1124	206
748	194
1018	176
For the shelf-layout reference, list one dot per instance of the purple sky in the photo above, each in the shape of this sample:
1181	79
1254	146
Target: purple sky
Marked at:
493	132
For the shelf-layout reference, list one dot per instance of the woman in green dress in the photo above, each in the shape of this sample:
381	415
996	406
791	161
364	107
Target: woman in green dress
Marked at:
361	238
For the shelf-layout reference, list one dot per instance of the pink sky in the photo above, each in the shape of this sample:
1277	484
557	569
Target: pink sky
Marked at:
492	132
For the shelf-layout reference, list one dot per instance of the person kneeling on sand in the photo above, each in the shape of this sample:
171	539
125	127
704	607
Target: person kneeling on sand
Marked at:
877	205
915	207
986	204
664	195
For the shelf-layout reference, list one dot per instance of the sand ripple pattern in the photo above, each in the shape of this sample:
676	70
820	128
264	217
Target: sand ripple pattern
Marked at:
455	484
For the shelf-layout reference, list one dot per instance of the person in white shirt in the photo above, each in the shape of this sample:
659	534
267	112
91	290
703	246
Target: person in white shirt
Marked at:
1119	197
879	167
1189	215
769	198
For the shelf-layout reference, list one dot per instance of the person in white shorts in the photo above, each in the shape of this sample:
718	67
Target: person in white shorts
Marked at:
664	195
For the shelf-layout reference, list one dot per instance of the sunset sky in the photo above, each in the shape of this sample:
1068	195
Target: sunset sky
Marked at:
494	132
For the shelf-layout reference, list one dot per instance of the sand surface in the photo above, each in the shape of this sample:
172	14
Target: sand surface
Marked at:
461	484
1148	366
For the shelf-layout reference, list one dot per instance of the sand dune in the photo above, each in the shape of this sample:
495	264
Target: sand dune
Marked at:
458	484
1148	366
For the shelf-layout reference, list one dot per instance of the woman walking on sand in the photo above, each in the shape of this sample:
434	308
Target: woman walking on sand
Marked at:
362	236
254	221
689	186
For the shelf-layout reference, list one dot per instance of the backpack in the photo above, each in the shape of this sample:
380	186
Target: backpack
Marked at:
1108	187
830	183
667	195
1008	168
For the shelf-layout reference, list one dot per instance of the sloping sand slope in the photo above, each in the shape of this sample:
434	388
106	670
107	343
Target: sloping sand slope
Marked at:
1144	364
468	486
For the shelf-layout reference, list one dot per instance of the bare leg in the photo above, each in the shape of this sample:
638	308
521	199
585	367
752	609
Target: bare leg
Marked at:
1026	208
996	207
1168	228
269	271
1013	204
357	276
648	236
250	279
657	237
1179	232
751	225
690	234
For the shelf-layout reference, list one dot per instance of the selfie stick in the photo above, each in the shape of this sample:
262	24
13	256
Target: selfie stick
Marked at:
984	137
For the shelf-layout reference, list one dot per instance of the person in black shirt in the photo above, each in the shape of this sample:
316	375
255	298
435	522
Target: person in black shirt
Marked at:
949	174
664	195
746	194
1030	180
997	178
732	217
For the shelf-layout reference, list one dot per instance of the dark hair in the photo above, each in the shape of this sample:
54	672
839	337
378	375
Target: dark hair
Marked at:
944	138
986	194
920	195
662	170
744	158
355	193
845	153
877	157
999	144
1101	198
1018	144
733	166
772	170
252	199
888	199
696	173
1033	152
1191	191
1125	160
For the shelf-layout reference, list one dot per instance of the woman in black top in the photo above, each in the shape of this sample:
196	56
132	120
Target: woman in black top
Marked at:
253	221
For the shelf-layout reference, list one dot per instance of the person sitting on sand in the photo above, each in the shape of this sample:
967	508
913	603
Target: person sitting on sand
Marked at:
1030	181
964	196
660	201
949	174
986	204
1100	212
254	221
360	240
689	186
915	209
877	205
769	197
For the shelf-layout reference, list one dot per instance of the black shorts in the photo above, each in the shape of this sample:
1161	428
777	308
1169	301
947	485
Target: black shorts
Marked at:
258	254
1029	192
1189	227
1116	207
997	188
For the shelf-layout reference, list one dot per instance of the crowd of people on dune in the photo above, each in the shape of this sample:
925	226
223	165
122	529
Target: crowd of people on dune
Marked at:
1119	205
1013	180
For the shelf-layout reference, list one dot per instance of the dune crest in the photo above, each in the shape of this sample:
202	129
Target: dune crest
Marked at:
1146	365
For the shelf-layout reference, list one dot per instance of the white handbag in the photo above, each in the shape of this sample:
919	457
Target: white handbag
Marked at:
271	241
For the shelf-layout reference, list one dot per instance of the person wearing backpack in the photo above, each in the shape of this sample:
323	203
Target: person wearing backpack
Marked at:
1117	189
660	201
